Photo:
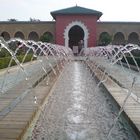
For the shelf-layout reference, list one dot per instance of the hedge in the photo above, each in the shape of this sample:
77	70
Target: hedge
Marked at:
4	61
131	61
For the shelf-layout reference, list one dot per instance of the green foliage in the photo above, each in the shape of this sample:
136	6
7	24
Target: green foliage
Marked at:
34	20
13	46
4	53
136	53
46	38
4	61
12	19
131	60
105	39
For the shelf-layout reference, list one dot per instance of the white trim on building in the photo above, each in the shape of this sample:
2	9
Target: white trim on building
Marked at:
69	26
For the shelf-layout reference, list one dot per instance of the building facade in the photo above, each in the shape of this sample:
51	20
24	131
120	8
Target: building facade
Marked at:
74	26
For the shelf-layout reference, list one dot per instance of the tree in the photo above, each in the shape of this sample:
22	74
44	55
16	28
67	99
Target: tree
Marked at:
12	19
105	39
47	37
34	20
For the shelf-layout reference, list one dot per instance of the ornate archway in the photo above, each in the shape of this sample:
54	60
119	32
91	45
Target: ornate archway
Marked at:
76	37
72	24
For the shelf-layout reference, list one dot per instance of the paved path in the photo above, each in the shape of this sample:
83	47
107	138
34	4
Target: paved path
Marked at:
79	110
17	104
14	124
15	85
124	91
11	78
123	75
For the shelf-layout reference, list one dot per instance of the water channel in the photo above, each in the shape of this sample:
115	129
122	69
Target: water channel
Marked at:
79	110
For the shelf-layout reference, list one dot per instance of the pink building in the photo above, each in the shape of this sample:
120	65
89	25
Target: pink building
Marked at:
76	26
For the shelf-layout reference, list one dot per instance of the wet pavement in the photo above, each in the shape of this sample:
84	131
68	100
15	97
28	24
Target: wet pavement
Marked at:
79	110
121	74
10	79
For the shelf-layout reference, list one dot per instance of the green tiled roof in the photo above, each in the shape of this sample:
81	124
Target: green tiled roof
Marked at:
76	10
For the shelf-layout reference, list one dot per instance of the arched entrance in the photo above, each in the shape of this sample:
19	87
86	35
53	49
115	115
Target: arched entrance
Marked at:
5	35
133	38
76	37
77	30
33	36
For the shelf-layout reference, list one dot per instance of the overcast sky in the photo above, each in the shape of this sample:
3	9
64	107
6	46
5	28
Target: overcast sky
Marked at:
113	10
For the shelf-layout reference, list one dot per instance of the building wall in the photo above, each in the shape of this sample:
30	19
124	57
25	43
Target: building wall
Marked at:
63	21
113	27
26	27
57	28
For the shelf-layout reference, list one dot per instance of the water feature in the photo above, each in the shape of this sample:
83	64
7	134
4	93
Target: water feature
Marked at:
84	109
78	112
107	58
23	64
80	107
20	51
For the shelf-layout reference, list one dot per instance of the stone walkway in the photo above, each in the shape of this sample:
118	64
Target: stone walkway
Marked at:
79	110
11	78
17	104
124	75
123	84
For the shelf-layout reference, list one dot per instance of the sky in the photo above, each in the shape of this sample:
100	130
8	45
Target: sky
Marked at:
113	10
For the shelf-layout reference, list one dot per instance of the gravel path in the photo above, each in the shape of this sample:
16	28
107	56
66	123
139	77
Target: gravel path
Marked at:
79	110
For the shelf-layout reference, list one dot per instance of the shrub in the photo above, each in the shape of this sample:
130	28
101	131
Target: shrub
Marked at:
47	37
131	61
4	61
105	39
4	53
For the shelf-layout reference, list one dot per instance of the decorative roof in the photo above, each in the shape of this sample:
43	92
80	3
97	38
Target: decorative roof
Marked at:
76	10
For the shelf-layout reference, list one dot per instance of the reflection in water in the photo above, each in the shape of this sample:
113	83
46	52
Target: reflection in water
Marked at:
76	111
